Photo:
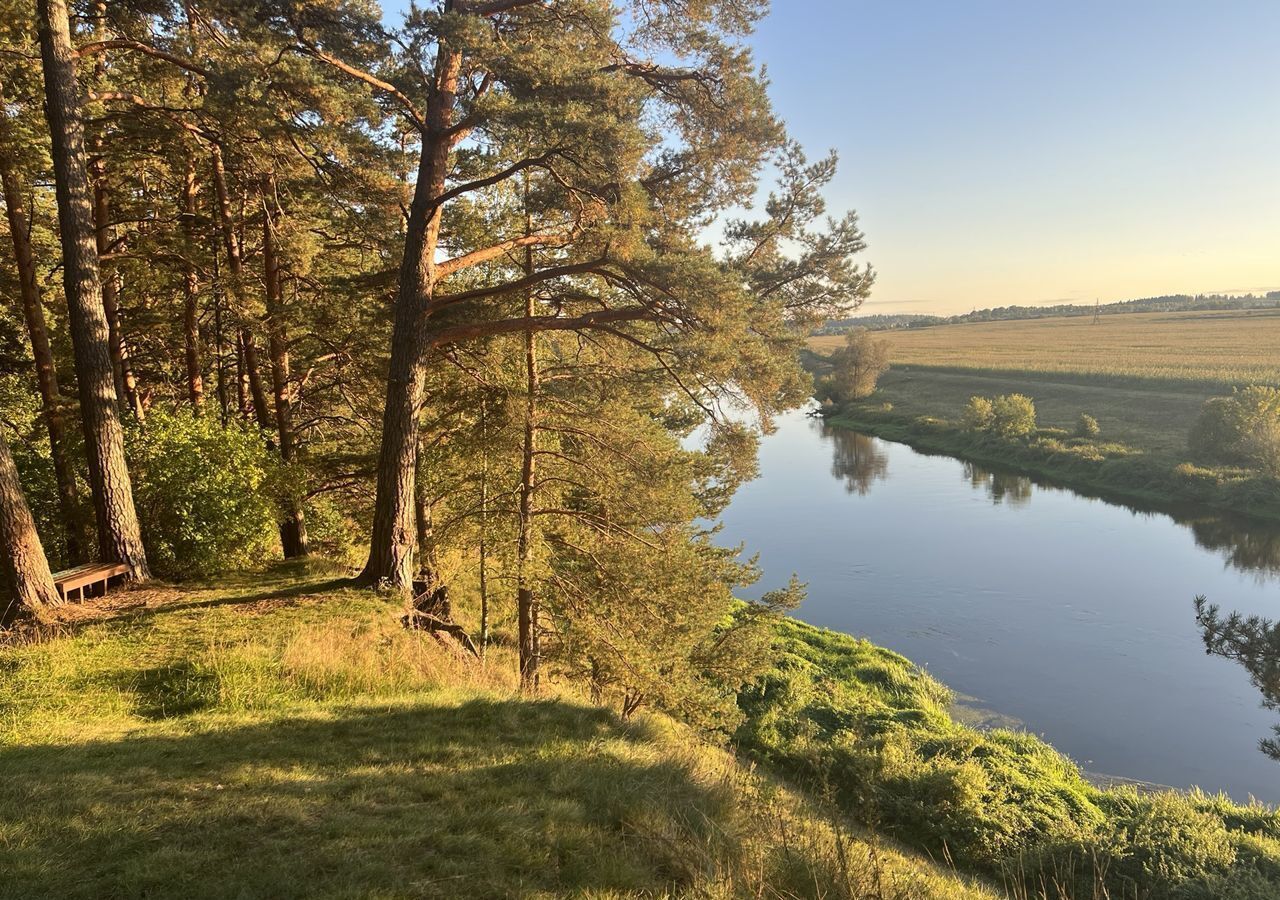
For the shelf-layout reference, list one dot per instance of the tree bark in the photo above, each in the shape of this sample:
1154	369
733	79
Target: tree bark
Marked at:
392	540
79	536
191	289
293	530
119	535
26	566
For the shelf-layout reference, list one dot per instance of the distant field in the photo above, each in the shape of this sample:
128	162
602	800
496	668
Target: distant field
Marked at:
1228	347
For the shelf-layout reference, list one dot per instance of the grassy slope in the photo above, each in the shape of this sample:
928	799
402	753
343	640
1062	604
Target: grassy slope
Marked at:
873	729
283	737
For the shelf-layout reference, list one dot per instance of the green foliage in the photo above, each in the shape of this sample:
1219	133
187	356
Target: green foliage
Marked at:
208	496
1013	415
866	725
1087	427
1241	428
857	366
1007	416
978	414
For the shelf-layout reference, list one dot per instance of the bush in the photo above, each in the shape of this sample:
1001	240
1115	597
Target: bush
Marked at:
1087	427
978	414
1013	415
1241	429
208	497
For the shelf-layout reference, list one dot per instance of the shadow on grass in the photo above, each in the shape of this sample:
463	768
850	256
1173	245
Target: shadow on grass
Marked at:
486	798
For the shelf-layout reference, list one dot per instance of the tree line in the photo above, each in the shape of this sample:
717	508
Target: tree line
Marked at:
453	278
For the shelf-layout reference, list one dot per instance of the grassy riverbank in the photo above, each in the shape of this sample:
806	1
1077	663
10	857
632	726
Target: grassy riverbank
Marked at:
862	723
1140	454
283	737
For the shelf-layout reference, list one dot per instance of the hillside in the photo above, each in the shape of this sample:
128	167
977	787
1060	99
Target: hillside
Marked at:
282	736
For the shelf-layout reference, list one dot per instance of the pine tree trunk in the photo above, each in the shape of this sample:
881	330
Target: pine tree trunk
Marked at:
25	564
392	540
526	600
293	530
121	367
119	535
191	289
79	536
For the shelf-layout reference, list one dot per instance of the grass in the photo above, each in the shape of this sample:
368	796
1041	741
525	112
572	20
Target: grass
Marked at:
843	715
1205	349
283	737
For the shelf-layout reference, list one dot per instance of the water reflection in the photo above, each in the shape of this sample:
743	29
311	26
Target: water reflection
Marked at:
1001	487
1253	642
1249	547
860	461
856	459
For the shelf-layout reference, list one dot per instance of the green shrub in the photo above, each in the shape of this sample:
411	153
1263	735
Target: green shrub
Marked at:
1087	427
1013	415
208	497
978	414
1242	429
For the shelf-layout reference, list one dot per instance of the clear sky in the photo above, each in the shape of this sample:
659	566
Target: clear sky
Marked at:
1019	151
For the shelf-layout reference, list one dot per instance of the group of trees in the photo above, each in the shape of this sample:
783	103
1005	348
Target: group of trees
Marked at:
453	272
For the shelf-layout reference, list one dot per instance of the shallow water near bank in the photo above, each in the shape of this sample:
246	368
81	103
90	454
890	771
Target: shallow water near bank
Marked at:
1070	614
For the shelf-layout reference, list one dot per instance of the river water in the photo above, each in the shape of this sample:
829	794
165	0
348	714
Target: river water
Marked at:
1065	615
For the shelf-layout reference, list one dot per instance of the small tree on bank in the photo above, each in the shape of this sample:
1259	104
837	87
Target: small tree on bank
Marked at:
858	365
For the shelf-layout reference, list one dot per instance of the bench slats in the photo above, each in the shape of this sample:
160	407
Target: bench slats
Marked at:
81	577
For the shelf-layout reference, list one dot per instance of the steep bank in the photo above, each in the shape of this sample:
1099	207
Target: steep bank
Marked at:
863	724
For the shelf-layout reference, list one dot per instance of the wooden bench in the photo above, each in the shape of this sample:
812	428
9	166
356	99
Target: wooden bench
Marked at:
80	577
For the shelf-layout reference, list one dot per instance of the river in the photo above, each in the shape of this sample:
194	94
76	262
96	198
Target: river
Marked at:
1065	615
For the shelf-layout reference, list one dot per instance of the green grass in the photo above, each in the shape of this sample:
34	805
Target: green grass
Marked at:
284	737
863	723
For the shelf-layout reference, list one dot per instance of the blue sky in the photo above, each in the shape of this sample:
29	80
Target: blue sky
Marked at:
1026	151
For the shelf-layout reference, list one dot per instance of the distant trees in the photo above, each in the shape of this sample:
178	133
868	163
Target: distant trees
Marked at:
1007	416
1087	426
857	366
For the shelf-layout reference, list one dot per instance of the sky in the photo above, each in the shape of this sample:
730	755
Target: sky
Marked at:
1024	152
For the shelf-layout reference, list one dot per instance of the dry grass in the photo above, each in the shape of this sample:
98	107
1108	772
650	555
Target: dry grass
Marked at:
1225	348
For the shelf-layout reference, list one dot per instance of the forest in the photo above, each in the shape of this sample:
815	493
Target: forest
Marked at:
436	298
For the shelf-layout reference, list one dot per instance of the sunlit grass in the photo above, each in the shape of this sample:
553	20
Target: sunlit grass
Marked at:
284	737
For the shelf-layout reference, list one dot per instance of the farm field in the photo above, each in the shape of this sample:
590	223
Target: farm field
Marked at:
1206	347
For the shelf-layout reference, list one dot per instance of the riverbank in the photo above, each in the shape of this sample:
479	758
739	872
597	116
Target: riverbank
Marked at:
864	725
1139	455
